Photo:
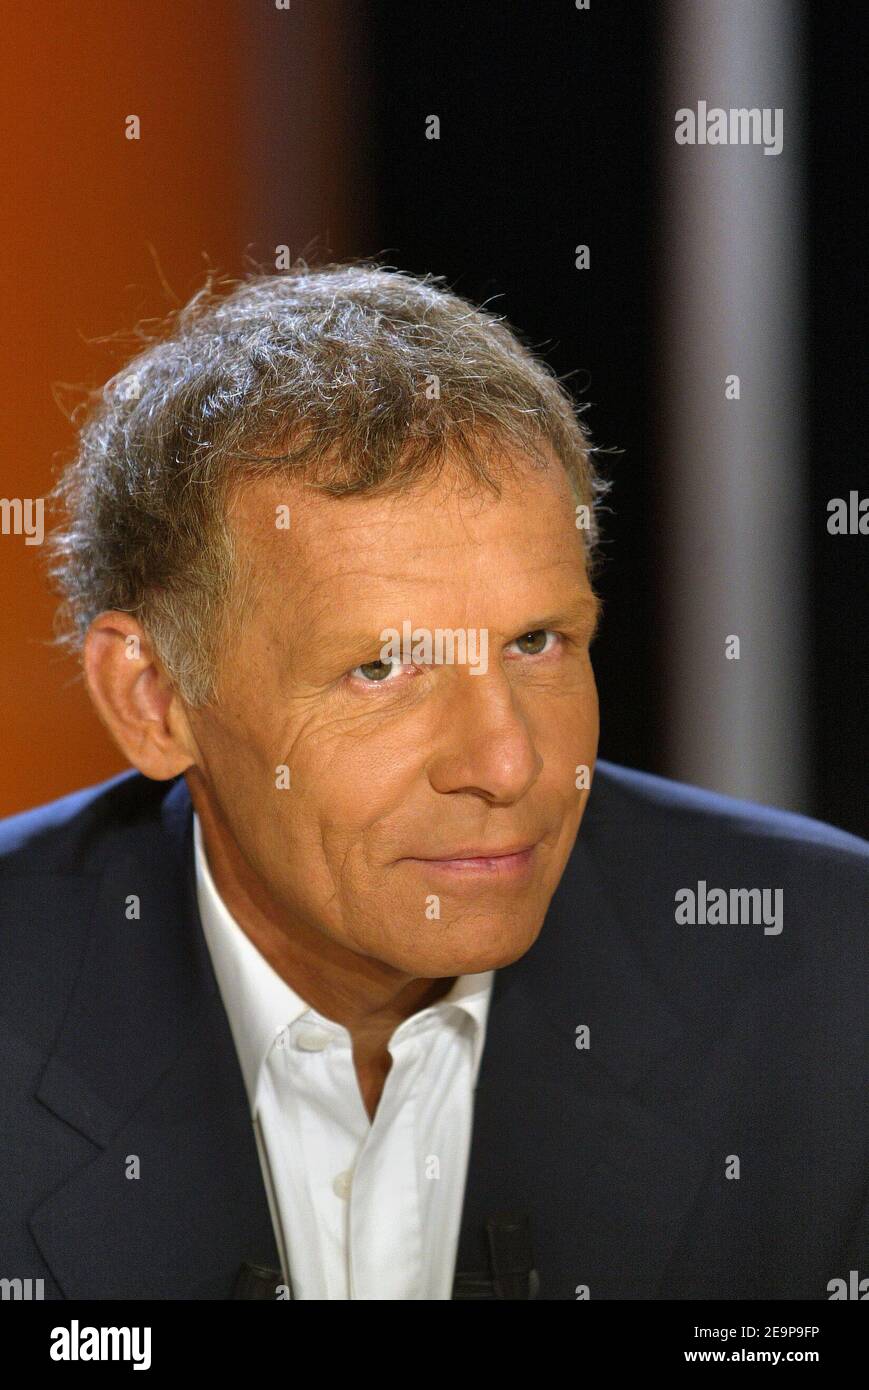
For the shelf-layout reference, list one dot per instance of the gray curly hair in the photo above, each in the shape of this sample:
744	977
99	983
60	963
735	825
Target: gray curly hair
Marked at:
353	377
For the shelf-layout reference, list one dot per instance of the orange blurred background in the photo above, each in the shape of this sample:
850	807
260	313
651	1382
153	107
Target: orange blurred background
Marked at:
228	166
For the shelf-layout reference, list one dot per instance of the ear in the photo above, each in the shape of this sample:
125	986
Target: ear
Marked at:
135	699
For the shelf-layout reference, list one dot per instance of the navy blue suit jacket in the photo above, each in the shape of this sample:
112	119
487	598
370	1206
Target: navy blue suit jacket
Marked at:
707	1043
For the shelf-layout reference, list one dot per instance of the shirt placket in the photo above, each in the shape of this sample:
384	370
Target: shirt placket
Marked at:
385	1248
331	1127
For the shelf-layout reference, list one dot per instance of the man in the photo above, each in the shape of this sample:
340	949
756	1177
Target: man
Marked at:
357	986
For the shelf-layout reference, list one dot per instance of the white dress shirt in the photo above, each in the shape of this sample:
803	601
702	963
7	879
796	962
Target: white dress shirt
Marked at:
360	1209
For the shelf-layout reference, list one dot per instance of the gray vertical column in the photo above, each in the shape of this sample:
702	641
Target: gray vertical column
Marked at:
734	551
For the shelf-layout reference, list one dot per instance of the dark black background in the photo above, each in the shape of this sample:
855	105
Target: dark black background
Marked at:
559	117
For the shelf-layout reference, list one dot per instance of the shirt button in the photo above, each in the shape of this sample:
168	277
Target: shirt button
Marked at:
342	1184
312	1039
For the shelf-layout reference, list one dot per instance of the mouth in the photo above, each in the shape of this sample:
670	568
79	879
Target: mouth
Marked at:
503	863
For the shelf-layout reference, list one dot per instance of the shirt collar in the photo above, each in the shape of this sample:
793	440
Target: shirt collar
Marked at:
260	1004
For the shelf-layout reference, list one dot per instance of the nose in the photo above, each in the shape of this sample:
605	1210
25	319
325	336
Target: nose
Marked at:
487	746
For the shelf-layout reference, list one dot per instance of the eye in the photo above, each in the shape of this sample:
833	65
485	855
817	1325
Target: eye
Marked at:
377	672
534	643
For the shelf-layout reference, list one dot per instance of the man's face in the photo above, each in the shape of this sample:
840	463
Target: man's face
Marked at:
399	772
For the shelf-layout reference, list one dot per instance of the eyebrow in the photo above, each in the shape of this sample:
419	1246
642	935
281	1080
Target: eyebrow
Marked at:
580	610
583	608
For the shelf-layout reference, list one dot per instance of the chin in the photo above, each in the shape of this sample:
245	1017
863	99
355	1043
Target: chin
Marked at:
480	952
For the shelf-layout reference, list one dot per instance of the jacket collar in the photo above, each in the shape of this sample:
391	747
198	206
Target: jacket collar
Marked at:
168	1200
144	982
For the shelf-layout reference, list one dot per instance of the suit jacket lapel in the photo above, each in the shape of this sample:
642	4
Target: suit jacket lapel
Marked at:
569	1137
145	1067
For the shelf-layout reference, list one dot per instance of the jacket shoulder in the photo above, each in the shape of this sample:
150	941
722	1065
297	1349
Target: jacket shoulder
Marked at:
643	802
655	841
78	833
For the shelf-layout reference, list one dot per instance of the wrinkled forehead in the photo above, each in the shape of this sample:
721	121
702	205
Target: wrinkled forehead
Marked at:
301	530
327	575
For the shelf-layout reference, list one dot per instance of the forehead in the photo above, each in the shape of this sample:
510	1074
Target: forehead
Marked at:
368	548
319	523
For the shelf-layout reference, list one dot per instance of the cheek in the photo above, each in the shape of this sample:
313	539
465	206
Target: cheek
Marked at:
350	791
238	765
568	720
